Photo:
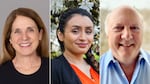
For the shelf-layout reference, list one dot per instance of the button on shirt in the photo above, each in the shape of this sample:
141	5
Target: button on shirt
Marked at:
111	72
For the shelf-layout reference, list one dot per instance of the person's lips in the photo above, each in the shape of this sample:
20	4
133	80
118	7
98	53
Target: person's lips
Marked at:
126	43
24	44
82	45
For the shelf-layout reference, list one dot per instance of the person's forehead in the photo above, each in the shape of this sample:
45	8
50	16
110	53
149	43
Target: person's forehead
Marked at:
80	19
124	11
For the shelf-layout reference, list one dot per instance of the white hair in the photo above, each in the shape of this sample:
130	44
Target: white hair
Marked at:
110	13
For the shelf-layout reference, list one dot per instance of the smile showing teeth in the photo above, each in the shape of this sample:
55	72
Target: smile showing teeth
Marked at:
125	45
24	44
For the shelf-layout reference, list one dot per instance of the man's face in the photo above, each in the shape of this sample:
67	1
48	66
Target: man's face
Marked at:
124	35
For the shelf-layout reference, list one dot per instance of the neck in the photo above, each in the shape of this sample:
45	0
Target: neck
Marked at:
27	64
26	61
129	69
74	58
78	61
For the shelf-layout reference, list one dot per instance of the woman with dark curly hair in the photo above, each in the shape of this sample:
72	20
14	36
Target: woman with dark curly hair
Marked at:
75	35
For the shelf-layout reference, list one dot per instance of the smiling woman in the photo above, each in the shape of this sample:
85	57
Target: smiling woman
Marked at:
75	35
25	49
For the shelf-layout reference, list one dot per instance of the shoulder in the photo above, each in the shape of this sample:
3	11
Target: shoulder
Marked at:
58	60
4	68
60	69
145	55
106	60
44	65
45	60
60	64
5	65
106	57
57	64
57	69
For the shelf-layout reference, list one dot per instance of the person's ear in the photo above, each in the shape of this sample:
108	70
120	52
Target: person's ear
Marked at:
40	34
60	36
10	40
106	33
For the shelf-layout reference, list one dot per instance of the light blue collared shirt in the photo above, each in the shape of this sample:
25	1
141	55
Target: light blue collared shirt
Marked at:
111	72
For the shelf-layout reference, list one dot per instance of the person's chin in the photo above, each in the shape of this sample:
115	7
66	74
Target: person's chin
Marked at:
83	50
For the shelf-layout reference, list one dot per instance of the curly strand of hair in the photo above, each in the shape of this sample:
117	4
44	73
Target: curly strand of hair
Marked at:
92	61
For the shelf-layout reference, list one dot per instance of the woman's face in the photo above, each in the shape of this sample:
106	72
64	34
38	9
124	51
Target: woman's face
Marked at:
25	36
78	34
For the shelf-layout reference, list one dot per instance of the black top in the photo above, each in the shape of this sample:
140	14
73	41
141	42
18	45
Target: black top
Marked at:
9	75
62	73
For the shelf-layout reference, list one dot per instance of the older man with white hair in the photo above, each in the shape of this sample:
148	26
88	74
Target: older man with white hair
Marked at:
125	62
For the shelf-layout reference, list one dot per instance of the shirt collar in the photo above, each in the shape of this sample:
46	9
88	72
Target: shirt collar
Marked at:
142	56
109	57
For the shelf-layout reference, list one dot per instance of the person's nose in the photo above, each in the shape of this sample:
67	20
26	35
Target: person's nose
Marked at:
127	34
82	36
24	36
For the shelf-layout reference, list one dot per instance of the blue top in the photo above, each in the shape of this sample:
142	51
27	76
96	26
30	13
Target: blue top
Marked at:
111	72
